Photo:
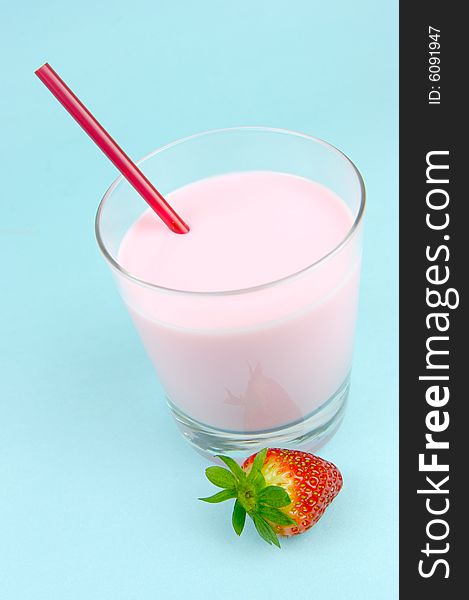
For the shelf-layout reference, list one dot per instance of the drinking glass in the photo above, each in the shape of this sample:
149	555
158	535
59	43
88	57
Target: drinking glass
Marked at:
247	368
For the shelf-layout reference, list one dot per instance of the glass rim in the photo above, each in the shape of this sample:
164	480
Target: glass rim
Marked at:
345	240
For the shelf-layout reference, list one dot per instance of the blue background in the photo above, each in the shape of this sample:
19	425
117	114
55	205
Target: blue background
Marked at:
97	490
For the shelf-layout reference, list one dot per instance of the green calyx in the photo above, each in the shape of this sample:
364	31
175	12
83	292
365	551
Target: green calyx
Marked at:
253	496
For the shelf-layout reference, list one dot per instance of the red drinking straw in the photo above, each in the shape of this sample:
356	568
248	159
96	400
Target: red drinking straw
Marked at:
120	159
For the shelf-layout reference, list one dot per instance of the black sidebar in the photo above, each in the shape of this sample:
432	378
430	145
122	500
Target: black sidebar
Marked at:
434	259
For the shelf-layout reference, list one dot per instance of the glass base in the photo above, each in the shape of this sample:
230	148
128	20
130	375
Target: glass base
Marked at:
309	434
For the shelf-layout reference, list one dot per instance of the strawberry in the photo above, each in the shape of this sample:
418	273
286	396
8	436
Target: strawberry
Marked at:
285	492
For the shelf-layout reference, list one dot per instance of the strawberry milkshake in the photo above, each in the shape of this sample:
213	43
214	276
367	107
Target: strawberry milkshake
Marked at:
249	318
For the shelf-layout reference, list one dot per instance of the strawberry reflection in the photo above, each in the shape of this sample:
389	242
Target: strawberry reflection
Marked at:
265	402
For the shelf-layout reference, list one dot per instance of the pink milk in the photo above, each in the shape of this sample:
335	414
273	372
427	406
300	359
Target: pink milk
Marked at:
281	346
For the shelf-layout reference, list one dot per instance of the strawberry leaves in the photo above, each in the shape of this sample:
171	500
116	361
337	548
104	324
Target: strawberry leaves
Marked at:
274	515
233	467
265	530
220	477
220	497
273	495
253	496
239	517
255	474
258	462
